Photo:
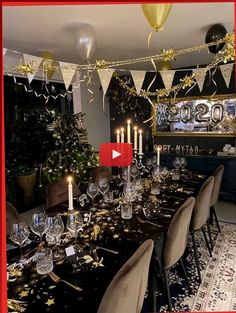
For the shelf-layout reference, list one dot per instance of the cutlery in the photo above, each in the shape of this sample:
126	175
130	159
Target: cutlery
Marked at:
57	279
101	248
147	222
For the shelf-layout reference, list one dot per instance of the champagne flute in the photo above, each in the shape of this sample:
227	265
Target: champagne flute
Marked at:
103	187
176	163
183	162
39	224
92	191
55	228
19	234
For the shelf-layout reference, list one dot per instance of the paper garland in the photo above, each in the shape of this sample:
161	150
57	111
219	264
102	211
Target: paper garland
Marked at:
105	78
226	71
68	71
200	77
35	62
138	78
167	78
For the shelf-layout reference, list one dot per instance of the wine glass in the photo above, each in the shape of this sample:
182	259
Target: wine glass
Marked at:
176	163
183	162
134	172
124	173
55	228
92	191
19	234
149	164
39	224
164	173
103	186
74	222
156	173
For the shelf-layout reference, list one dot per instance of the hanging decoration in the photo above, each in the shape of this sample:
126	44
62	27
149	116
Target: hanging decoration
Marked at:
31	66
167	77
138	78
86	42
48	64
215	32
226	71
105	78
67	73
156	14
200	77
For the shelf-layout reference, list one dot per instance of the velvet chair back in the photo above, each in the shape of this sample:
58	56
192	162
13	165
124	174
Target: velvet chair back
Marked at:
126	292
218	174
176	236
201	209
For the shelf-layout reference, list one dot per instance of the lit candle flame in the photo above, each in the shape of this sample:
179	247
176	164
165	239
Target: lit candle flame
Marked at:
69	178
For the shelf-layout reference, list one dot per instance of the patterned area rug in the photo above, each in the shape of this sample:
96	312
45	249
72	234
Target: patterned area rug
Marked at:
217	291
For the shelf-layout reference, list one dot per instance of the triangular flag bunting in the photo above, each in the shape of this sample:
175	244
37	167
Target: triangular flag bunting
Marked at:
68	71
34	63
226	71
167	77
200	75
105	78
138	78
4	51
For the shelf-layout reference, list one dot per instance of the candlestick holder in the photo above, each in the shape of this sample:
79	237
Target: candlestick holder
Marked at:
135	156
139	164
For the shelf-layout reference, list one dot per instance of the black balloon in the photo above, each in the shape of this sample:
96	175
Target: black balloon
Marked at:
214	33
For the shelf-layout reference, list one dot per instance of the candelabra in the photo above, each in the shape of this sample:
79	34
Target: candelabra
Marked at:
139	163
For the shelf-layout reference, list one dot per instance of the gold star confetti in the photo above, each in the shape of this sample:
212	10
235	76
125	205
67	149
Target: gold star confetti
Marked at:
50	302
116	236
15	272
24	293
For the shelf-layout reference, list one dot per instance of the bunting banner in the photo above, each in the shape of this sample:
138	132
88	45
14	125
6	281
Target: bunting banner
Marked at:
68	71
226	71
138	78
200	76
105	78
167	78
34	63
4	51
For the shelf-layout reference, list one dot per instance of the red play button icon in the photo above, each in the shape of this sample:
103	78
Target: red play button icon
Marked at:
115	154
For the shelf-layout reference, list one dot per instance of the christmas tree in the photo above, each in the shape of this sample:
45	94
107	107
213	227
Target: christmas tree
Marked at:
72	155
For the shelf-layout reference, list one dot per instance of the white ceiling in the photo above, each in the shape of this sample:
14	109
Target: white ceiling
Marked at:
121	30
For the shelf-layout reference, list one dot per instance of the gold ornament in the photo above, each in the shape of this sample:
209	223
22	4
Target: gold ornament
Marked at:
25	69
229	38
164	66
168	54
95	232
156	14
162	93
101	64
188	81
24	293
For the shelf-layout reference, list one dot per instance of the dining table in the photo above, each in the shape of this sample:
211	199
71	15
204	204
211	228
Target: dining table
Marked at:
101	248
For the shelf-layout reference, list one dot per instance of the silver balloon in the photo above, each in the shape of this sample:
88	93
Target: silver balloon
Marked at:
86	42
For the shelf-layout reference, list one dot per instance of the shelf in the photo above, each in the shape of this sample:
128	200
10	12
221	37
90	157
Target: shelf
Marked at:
193	134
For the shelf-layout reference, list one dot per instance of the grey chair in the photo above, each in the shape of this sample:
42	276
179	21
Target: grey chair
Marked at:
126	292
218	174
12	217
200	217
175	243
57	193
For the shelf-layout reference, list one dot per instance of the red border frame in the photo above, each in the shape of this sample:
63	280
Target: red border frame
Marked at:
3	282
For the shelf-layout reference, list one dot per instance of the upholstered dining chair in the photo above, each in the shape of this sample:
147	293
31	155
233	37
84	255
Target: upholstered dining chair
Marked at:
12	216
57	193
218	174
175	243
200	217
126	292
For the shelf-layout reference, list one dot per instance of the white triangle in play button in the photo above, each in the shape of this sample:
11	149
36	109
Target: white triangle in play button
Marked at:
115	154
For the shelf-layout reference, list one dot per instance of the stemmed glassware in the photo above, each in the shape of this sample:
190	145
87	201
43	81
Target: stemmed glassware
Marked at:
164	173
129	192
103	187
55	228
74	222
19	234
39	224
124	173
183	162
176	162
156	173
134	172
92	191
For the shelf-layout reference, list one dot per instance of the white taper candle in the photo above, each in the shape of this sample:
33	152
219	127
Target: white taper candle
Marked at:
70	193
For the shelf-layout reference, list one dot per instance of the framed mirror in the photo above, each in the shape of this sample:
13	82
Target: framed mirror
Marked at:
195	116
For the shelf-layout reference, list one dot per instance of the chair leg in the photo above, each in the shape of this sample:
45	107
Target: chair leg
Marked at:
207	243
185	274
209	233
195	255
216	218
167	291
154	301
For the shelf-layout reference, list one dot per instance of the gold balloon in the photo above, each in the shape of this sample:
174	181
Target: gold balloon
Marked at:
164	66
48	63
156	14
